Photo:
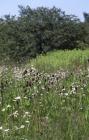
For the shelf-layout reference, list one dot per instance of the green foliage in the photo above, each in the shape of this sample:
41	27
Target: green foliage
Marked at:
86	16
37	31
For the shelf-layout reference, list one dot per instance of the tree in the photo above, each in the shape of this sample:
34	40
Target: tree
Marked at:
39	30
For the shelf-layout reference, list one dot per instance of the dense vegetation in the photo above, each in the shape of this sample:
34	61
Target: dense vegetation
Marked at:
40	30
53	61
46	98
46	105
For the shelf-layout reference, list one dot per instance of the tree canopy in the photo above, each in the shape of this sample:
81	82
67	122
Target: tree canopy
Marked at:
40	30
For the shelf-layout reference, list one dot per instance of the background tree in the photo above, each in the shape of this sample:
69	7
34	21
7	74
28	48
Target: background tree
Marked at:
40	30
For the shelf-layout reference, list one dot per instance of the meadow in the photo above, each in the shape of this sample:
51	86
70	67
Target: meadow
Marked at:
53	61
47	98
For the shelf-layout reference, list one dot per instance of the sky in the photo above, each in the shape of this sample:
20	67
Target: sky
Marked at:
75	7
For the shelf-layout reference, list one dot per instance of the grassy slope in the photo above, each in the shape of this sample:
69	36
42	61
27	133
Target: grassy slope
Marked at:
45	106
55	60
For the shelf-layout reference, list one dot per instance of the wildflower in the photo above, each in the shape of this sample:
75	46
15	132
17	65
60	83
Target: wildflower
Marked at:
1	127
41	94
3	110
8	106
27	121
35	87
39	82
26	115
18	98
66	94
61	93
14	114
22	126
43	88
25	97
6	130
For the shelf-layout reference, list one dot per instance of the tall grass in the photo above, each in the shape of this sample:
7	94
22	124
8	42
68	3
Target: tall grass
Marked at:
37	105
60	59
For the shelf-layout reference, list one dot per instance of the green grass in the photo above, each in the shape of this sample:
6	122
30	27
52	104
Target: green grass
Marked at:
47	106
60	59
